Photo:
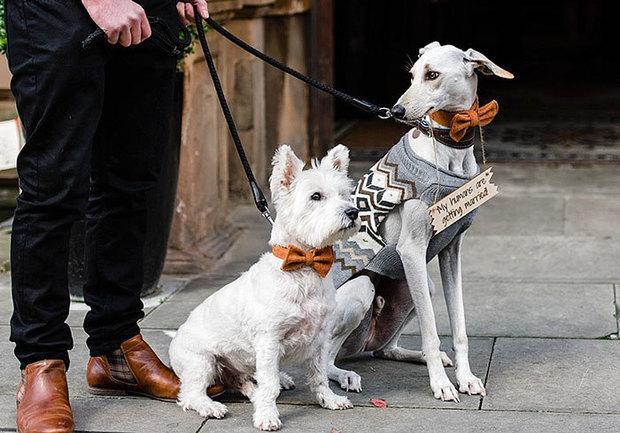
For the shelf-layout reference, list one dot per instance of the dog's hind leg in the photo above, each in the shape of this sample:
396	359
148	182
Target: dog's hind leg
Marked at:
353	300
396	353
392	318
450	268
197	372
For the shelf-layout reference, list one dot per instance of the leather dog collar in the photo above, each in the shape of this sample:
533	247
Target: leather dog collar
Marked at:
443	136
320	260
460	134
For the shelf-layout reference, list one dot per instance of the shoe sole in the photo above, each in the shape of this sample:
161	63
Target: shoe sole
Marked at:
123	393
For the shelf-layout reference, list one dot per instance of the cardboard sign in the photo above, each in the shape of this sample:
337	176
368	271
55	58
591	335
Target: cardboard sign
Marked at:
468	197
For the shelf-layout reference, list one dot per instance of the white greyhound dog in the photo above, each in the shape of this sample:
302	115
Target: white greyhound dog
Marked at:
372	309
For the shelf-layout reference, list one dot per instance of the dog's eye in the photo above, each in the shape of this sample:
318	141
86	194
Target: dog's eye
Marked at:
316	196
431	75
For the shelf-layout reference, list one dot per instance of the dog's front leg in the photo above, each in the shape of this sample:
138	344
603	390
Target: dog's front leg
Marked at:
450	268
412	251
319	383
266	415
353	300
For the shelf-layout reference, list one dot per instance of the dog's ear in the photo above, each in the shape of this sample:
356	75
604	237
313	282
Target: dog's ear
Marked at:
337	158
286	167
476	60
428	47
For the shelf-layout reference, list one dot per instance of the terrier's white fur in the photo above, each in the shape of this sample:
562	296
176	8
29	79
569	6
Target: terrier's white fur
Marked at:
443	78
241	335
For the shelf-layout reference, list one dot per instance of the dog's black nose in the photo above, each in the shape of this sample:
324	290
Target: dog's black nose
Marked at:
352	213
398	111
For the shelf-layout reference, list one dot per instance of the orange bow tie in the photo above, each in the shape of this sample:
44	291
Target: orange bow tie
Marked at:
320	260
460	121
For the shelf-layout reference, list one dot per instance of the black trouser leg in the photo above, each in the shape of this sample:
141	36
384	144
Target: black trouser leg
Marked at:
59	94
134	127
110	108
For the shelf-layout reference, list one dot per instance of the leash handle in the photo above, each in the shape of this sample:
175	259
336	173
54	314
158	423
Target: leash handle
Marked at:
162	37
382	112
92	39
259	198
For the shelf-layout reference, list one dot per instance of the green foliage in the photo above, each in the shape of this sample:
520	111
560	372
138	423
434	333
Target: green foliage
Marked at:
190	48
3	42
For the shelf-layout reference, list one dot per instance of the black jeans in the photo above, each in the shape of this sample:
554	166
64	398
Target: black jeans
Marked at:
95	123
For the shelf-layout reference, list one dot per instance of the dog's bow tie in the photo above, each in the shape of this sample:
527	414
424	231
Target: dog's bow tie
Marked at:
320	260
459	122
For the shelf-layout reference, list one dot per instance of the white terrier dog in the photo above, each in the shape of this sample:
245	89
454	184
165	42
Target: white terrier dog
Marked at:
240	335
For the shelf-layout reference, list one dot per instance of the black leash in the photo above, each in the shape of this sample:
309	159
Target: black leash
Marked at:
259	198
162	37
382	112
166	40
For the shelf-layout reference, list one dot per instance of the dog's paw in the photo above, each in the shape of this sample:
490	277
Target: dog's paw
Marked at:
350	381
286	381
205	408
267	420
444	390
335	402
445	360
470	384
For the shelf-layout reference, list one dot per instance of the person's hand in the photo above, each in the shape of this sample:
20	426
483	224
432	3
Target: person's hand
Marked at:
123	21
186	10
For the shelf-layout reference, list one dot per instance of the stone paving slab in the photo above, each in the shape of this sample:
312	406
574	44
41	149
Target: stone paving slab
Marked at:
78	356
401	384
520	216
492	308
593	216
118	415
314	419
201	288
617	306
129	415
530	310
169	315
541	258
533	179
557	179
555	375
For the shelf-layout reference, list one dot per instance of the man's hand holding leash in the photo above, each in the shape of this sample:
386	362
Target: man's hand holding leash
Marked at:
186	10
124	21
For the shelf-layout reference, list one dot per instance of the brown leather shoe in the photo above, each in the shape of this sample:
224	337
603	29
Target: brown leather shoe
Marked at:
43	399
151	377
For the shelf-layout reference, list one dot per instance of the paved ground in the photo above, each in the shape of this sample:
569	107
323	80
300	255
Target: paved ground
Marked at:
541	270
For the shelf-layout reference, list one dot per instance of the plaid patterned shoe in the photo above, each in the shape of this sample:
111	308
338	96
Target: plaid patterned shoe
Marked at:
135	369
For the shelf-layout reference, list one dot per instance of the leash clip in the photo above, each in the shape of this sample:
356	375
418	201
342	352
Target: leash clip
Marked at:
423	123
267	215
384	113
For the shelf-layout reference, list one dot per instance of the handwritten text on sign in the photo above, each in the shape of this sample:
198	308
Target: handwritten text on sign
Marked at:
468	197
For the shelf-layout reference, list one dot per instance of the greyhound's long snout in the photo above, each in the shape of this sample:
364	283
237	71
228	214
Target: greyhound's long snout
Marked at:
398	111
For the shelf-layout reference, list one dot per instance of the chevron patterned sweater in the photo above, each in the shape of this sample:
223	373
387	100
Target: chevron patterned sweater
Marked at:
397	177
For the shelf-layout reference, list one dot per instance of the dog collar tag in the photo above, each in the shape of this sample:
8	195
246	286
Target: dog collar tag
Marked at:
465	199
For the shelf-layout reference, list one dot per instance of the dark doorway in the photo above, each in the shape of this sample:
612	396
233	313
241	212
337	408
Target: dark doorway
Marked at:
563	54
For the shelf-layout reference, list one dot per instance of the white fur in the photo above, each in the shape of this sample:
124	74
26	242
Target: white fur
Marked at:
267	317
409	228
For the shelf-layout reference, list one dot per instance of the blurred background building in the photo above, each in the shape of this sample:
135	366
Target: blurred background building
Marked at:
561	107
